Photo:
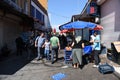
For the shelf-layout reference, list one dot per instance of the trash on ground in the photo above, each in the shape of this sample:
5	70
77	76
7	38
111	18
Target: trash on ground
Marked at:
58	76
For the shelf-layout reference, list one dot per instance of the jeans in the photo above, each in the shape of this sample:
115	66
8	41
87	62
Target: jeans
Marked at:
96	57
40	52
46	53
54	52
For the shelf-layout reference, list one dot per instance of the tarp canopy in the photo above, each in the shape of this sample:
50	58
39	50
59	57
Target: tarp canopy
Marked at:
81	25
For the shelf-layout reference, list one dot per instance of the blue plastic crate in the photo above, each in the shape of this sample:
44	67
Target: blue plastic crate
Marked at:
67	56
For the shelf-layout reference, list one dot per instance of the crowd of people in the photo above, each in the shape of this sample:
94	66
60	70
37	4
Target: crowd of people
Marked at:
45	46
78	46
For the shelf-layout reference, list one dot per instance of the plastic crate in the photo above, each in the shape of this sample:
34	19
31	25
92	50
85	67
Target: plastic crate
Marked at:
68	56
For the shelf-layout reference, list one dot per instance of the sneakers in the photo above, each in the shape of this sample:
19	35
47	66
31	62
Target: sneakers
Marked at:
95	66
100	63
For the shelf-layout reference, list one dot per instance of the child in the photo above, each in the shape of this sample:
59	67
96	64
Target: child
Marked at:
47	49
68	51
68	47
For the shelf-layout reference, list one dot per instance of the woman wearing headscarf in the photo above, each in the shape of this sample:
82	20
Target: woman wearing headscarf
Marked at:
77	46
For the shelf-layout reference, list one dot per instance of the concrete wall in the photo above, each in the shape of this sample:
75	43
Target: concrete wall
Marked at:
44	3
10	25
110	21
117	17
9	29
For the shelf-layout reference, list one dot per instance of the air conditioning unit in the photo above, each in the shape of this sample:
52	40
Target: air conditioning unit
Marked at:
99	2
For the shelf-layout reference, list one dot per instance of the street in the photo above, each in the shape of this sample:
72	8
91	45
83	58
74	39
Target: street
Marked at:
19	68
26	24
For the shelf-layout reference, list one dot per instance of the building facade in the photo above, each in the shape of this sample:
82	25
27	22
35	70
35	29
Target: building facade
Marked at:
15	18
40	14
109	19
13	15
90	13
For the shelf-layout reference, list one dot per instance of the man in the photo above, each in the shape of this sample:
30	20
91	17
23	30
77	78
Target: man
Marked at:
92	38
96	49
39	42
55	45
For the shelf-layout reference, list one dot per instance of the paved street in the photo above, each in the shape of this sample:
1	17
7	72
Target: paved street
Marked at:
19	68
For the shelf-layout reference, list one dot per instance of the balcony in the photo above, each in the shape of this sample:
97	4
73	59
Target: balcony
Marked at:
13	4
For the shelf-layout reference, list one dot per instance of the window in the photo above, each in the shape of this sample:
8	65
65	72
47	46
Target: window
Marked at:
32	11
43	18
39	16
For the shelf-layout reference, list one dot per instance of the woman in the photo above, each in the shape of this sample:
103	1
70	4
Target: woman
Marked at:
77	46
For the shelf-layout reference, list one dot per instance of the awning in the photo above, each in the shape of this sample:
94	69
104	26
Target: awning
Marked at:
39	26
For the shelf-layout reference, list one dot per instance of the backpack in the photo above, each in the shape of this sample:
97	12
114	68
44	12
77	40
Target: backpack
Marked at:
105	68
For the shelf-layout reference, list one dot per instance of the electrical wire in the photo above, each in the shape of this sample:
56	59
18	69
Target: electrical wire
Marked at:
81	3
53	13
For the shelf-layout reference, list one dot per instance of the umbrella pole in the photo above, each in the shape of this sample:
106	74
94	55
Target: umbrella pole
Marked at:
73	33
82	34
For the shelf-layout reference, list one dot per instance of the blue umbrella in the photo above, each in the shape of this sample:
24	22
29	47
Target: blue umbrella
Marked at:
75	25
91	25
79	25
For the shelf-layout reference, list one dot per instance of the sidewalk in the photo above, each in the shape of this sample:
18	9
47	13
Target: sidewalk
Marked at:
104	59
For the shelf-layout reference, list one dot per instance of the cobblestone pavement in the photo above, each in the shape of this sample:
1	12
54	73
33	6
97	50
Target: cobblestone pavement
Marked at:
19	68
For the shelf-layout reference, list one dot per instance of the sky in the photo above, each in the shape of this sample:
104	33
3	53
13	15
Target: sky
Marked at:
61	11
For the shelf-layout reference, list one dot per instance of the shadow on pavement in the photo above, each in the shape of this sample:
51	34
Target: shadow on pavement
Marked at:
58	63
13	64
